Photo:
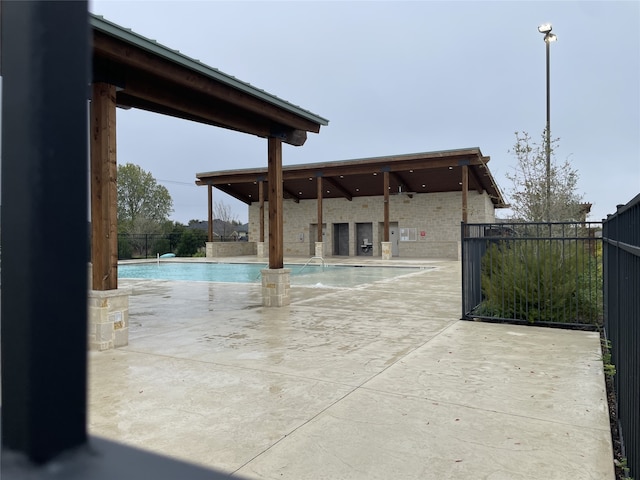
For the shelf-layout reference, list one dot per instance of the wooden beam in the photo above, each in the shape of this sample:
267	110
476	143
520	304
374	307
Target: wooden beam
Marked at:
336	184
175	102
274	176
289	195
402	180
104	169
138	60
210	212
465	192
335	169
319	201
477	181
385	234
232	193
261	200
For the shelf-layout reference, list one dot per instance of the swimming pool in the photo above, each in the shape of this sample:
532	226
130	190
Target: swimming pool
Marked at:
311	275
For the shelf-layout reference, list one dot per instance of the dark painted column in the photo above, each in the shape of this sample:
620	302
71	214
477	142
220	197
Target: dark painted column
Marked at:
45	69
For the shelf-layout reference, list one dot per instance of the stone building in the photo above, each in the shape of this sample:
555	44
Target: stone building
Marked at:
417	200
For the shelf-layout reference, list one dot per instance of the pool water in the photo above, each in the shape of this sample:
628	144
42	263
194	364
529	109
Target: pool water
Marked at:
311	275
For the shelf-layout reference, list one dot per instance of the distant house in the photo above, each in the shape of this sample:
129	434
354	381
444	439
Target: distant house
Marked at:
222	229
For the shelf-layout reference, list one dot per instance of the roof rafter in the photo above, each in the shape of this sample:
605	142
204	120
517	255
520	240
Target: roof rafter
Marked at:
336	184
419	173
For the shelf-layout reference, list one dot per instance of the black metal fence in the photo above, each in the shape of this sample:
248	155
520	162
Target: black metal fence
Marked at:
543	273
621	239
149	245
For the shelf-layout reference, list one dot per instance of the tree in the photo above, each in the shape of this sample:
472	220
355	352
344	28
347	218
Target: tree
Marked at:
529	183
222	211
142	203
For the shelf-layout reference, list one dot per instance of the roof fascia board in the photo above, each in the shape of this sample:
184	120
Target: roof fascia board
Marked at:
311	168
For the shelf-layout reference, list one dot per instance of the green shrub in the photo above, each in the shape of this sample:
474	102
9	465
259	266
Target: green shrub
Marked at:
124	248
190	241
161	246
542	281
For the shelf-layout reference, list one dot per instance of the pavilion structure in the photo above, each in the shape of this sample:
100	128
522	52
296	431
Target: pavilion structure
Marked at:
380	178
131	71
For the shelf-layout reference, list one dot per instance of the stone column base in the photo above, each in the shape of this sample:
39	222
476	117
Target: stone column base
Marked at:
208	250
109	318
260	249
386	250
276	287
319	252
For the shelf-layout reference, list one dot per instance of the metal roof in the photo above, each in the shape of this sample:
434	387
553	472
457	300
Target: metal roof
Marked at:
426	172
150	76
100	24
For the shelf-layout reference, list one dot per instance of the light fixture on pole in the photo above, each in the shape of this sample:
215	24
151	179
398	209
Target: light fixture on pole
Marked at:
549	37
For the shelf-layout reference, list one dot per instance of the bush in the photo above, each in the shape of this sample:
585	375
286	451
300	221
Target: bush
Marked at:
161	246
190	241
124	248
542	281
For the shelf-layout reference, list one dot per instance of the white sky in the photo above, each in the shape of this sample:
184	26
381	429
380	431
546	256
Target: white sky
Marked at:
398	77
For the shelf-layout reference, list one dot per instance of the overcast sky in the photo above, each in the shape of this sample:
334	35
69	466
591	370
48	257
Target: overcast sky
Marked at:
398	77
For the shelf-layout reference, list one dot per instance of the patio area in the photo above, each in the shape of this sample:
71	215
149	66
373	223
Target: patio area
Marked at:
375	382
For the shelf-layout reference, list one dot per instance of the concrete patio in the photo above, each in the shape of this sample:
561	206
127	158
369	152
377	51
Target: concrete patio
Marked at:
375	382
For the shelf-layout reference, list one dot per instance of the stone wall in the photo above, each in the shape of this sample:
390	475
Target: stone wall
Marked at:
434	216
230	249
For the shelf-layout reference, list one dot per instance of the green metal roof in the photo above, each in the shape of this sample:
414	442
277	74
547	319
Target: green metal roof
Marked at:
127	35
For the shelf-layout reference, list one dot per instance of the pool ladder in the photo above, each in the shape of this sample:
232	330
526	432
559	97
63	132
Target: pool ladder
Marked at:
309	261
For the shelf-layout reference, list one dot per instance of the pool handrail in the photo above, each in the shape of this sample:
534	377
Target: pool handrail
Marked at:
309	261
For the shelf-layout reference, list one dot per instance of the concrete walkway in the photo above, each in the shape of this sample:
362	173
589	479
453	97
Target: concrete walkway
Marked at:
376	382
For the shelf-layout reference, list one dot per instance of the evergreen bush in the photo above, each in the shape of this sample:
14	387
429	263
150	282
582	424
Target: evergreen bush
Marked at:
161	246
124	248
190	241
542	281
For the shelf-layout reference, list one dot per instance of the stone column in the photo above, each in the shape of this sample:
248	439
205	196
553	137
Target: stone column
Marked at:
209	250
109	318
319	252
276	287
260	249
386	250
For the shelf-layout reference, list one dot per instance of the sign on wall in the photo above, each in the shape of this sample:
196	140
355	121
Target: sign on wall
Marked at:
408	234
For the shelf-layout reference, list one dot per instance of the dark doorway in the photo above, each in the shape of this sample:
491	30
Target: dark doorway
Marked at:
341	239
364	239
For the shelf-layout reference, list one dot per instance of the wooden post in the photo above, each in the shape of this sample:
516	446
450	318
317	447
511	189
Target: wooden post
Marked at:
465	192
319	195
104	169
261	199
210	211
274	177
385	234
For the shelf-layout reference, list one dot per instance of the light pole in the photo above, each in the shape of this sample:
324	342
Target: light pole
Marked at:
549	37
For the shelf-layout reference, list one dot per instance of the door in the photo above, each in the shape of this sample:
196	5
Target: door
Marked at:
341	239
394	238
